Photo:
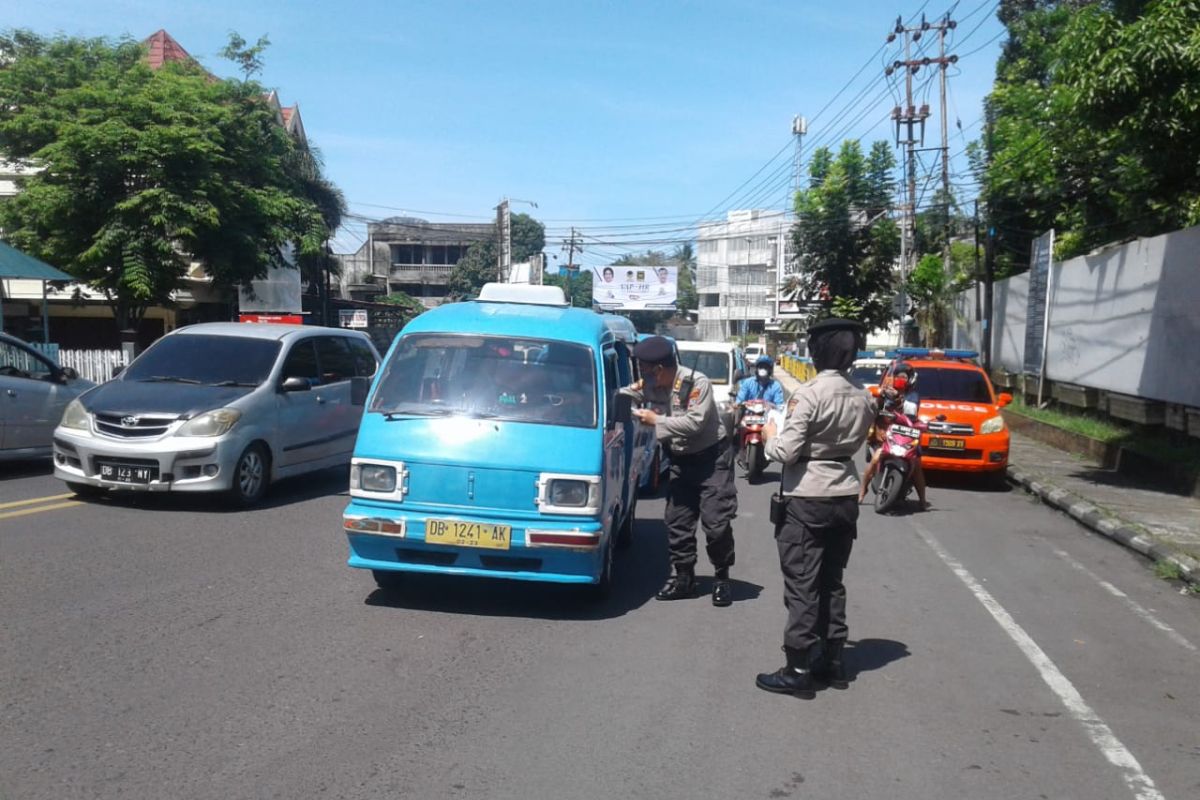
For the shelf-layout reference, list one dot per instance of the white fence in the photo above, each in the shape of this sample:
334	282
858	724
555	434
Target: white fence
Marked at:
95	365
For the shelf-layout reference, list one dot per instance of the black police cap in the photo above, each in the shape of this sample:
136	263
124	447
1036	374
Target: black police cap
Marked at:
834	324
655	350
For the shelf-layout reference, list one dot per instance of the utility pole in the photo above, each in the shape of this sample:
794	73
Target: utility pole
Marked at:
504	226
989	263
943	62
571	246
910	132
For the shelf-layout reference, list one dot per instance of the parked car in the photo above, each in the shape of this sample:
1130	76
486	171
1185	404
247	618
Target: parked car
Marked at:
721	362
33	393
496	443
753	351
966	432
218	407
869	367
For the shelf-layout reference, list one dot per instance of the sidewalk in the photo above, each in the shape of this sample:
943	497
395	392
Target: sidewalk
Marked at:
1159	525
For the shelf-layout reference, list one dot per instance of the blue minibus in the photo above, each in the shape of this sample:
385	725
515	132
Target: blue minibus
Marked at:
495	442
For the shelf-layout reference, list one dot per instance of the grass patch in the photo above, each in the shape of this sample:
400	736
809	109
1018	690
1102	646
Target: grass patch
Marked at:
1168	570
1161	445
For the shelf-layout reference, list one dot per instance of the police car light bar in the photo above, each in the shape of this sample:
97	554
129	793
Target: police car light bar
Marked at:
925	352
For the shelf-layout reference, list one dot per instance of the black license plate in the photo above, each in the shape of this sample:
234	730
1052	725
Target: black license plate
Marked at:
128	473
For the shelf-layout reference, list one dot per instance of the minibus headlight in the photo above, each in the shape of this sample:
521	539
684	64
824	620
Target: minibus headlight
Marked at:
993	425
75	416
373	478
211	423
568	492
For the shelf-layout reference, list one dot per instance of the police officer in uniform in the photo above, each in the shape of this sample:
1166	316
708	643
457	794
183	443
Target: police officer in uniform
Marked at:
689	426
817	521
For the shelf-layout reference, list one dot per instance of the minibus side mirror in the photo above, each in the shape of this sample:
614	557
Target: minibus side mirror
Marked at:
622	409
295	384
359	387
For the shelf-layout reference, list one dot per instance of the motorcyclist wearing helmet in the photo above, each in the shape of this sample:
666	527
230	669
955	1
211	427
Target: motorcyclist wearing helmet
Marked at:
761	385
897	395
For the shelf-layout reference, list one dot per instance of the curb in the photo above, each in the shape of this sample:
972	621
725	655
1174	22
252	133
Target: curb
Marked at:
1115	528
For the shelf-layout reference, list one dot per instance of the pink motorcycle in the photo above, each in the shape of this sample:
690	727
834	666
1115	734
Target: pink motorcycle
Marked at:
901	454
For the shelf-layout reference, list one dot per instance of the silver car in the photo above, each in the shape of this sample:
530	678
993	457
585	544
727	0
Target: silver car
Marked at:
218	407
33	393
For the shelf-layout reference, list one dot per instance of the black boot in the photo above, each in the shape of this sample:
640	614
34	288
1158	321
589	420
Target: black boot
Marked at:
680	586
794	678
722	591
829	669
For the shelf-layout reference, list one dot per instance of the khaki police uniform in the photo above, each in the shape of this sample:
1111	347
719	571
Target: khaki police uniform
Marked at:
817	445
701	487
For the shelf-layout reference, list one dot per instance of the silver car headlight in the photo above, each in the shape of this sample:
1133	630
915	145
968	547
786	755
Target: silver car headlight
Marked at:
211	423
569	494
993	425
75	416
373	477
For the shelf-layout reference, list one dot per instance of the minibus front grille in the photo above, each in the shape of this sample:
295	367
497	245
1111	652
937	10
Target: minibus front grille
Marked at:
433	558
511	563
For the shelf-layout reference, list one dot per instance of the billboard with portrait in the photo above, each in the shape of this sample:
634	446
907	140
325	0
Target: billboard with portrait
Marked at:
635	288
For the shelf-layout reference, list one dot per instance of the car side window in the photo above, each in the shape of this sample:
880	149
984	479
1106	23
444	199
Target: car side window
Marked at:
364	359
17	362
611	380
302	362
337	362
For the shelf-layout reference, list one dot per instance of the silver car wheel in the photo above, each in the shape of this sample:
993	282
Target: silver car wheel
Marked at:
250	473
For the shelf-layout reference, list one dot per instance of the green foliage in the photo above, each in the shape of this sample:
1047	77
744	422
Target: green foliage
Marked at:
576	285
845	239
144	171
404	301
480	264
1096	132
247	57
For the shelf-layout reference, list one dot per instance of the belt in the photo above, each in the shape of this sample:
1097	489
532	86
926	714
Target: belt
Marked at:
699	454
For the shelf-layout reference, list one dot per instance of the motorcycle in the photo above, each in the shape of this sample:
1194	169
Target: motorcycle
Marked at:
750	438
901	454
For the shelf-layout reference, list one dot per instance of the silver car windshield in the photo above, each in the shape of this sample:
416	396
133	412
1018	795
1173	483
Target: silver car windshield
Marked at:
203	359
522	380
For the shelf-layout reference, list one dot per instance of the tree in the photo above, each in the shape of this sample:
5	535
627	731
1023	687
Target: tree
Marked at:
144	171
846	242
932	292
480	264
1095	107
576	285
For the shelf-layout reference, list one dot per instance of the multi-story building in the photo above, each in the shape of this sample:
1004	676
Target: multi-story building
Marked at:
410	255
738	264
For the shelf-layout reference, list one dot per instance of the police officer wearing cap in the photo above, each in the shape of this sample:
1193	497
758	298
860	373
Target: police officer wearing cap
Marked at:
689	427
816	521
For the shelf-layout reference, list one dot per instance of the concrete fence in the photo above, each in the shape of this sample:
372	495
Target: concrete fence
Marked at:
1122	330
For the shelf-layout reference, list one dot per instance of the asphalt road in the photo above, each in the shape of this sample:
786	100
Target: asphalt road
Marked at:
161	648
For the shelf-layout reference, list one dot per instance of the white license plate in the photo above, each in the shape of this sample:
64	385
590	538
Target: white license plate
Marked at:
904	430
124	473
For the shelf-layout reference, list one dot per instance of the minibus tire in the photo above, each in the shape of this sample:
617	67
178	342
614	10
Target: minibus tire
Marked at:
625	534
599	592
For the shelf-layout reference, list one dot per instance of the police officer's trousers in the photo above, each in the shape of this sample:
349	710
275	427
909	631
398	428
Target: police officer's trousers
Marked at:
814	542
701	488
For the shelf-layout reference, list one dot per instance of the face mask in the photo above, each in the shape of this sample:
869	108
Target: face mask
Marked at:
762	373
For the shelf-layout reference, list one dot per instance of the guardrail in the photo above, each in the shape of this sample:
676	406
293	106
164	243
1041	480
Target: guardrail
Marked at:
799	368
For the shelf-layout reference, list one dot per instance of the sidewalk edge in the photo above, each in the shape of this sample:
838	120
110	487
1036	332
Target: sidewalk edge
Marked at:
1119	530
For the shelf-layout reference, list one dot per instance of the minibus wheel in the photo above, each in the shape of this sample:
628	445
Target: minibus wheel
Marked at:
599	592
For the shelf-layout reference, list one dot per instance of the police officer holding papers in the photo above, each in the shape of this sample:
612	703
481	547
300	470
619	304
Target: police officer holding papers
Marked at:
816	519
688	426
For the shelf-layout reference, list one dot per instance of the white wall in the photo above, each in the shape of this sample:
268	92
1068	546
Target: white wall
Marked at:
1124	320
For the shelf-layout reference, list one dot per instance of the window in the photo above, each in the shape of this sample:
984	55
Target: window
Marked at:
611	380
364	359
497	377
337	363
715	366
206	359
408	254
18	362
964	386
302	362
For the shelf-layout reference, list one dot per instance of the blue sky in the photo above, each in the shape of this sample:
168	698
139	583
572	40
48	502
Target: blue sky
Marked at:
647	115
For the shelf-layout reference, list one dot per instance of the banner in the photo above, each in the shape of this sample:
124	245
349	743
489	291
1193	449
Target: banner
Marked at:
635	288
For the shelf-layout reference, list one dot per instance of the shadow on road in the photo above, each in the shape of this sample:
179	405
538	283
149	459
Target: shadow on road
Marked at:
868	655
25	469
323	483
638	572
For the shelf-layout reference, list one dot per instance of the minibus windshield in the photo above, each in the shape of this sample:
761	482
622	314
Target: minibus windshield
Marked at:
497	377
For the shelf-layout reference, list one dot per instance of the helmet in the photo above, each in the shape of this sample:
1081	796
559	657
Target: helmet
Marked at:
764	362
904	377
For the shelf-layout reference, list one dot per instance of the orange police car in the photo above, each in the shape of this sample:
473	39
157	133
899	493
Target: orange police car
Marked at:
966	431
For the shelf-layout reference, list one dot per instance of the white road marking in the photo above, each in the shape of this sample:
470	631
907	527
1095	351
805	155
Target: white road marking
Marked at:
1110	746
1134	605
